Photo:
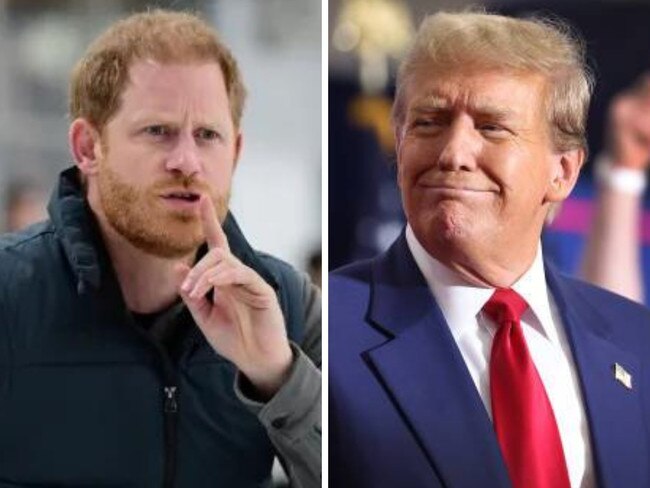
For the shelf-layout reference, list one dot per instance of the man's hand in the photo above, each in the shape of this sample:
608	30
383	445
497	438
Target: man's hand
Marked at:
629	127
243	321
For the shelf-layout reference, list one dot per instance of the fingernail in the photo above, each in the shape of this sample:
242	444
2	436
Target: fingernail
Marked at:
185	286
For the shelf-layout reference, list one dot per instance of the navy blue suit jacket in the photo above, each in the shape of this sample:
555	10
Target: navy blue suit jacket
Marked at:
404	411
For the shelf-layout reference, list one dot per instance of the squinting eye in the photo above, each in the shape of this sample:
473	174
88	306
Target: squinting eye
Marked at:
422	122
490	128
428	122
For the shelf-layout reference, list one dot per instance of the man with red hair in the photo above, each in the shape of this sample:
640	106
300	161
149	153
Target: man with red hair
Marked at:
143	341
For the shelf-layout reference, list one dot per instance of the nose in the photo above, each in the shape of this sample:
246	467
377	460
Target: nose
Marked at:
461	145
184	156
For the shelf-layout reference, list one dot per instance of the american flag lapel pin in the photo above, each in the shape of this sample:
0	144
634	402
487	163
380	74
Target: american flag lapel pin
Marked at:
622	376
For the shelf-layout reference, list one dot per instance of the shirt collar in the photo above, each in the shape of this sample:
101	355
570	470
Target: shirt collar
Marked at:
461	302
532	288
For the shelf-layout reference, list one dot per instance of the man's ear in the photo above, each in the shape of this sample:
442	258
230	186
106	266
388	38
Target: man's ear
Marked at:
239	143
85	145
564	175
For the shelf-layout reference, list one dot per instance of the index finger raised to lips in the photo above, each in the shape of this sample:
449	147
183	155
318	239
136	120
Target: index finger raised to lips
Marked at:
214	234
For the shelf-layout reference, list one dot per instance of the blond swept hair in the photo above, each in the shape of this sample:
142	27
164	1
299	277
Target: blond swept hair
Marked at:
100	76
448	41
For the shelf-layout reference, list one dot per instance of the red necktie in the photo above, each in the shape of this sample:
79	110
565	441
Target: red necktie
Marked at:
523	416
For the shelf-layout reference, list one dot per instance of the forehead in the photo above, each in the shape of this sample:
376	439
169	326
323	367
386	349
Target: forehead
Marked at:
518	95
170	88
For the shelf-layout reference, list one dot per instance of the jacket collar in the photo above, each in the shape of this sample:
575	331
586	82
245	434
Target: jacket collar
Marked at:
424	373
79	233
616	419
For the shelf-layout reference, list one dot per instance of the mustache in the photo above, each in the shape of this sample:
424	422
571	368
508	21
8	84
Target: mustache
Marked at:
188	183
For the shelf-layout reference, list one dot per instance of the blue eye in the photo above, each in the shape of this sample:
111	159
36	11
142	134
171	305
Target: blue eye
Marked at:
207	134
157	130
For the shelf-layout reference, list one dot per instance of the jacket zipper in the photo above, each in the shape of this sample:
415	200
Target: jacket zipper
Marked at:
170	404
170	410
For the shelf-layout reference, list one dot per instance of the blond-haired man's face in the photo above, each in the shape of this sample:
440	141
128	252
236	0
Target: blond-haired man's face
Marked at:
476	166
171	140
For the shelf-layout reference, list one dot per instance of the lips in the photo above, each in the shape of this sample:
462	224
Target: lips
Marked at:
457	188
186	196
456	185
452	188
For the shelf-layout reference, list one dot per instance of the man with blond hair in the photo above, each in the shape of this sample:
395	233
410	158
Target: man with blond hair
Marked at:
143	341
459	357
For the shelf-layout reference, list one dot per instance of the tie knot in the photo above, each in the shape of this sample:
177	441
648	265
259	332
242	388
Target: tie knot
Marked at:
505	305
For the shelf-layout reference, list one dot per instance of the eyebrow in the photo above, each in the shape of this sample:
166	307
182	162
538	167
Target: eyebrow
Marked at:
144	118
435	103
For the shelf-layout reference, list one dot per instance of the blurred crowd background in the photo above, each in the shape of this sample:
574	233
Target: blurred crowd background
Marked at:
277	189
367	37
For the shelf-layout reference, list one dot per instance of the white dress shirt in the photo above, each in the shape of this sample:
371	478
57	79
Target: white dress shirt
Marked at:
462	303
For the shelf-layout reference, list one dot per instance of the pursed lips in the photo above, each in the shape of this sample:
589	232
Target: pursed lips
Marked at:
454	188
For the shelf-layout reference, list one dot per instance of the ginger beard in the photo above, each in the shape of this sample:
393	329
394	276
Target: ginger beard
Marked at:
140	216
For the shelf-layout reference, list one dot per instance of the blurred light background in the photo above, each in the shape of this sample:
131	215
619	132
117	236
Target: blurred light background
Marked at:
367	37
277	189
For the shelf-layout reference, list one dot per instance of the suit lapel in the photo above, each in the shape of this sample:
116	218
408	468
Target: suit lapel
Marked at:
614	412
423	373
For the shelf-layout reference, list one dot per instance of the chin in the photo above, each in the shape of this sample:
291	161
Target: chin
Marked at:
169	238
184	238
442	233
449	222
166	244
